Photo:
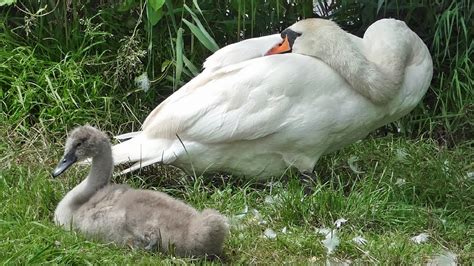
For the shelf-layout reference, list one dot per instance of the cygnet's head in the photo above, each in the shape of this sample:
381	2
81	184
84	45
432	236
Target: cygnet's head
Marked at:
83	142
304	37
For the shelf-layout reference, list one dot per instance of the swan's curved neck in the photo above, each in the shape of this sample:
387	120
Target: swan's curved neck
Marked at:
377	77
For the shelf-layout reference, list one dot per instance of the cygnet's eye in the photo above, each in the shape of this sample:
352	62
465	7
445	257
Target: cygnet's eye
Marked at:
78	144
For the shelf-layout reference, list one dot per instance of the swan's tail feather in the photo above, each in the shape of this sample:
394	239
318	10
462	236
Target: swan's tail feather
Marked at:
127	136
140	164
141	151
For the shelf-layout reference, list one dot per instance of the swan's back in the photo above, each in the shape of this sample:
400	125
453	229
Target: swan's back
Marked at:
260	124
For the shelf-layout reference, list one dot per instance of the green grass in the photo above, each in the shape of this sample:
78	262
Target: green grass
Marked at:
436	197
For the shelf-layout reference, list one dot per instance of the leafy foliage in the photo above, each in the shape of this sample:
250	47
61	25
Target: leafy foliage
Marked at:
7	2
116	46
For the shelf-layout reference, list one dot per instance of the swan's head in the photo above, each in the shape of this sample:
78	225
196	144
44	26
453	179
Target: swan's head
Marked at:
83	142
304	37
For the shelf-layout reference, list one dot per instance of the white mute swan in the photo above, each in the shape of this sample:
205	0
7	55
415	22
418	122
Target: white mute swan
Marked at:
138	218
256	115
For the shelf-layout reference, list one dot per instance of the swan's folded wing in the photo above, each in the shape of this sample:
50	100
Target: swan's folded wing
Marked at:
246	101
234	103
241	51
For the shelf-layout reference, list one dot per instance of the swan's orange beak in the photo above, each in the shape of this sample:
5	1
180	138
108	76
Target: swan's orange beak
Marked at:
283	47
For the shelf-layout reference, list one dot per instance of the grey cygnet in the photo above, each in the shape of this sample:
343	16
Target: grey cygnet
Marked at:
131	217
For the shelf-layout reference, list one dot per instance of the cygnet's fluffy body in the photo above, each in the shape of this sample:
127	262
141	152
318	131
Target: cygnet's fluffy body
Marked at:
139	218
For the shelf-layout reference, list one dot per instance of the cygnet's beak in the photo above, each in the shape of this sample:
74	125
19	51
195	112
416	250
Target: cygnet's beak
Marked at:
68	159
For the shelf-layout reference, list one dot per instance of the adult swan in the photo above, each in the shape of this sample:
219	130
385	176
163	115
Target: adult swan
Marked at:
256	115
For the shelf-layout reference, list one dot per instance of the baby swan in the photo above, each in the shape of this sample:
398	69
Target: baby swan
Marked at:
139	218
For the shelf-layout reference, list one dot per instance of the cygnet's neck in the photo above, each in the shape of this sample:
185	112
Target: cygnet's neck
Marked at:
101	169
99	175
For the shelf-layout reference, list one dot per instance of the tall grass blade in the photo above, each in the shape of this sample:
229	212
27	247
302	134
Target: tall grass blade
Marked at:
200	32
179	56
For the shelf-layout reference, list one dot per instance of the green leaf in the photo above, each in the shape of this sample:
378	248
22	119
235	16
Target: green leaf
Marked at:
379	5
165	65
197	7
155	4
153	16
194	70
210	44
7	2
200	32
179	55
